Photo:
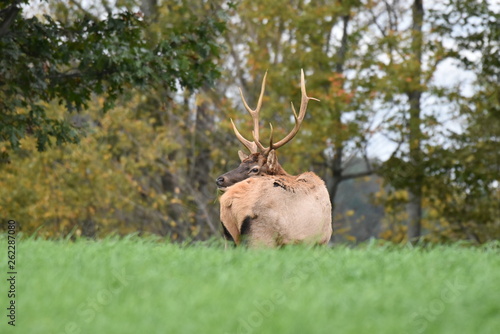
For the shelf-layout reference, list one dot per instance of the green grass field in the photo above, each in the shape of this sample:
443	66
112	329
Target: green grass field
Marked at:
143	286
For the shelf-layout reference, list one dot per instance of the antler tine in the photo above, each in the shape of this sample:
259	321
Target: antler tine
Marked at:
252	147
298	118
255	114
266	150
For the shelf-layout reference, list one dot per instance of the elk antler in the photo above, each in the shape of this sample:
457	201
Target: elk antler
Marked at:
299	118
254	145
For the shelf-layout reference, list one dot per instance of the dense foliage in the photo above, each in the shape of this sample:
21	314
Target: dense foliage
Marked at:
44	60
396	146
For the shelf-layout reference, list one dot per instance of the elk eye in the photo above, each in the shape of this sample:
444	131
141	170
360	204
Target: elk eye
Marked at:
254	170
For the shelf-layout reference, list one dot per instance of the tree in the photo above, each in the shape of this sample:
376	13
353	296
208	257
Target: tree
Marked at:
133	173
443	169
407	56
465	174
45	59
414	93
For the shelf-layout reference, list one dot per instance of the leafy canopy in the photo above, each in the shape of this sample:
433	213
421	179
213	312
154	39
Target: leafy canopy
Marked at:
44	60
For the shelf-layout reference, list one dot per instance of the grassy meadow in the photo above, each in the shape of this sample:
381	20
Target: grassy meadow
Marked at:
137	285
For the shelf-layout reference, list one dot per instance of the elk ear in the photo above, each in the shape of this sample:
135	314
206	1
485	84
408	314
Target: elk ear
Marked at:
242	155
272	160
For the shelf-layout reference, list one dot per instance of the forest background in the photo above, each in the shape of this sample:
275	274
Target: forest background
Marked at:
114	115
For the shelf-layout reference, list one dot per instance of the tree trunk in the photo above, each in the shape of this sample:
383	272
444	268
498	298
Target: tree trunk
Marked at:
336	169
414	98
149	7
202	165
336	165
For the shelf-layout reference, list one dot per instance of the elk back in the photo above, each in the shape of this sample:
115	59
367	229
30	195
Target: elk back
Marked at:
277	210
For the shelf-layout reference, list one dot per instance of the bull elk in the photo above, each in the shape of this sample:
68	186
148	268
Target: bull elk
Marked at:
262	204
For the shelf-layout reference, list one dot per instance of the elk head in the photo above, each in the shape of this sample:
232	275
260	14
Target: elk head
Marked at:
262	160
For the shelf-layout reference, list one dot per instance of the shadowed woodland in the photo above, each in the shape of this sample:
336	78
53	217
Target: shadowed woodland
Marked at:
115	116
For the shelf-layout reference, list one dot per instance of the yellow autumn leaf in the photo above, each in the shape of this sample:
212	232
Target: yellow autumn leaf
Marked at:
349	213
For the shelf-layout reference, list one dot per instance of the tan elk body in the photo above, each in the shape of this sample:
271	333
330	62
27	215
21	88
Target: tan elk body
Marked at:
265	206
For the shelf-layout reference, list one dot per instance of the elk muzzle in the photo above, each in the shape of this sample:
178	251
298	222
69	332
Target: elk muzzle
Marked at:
221	182
228	179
